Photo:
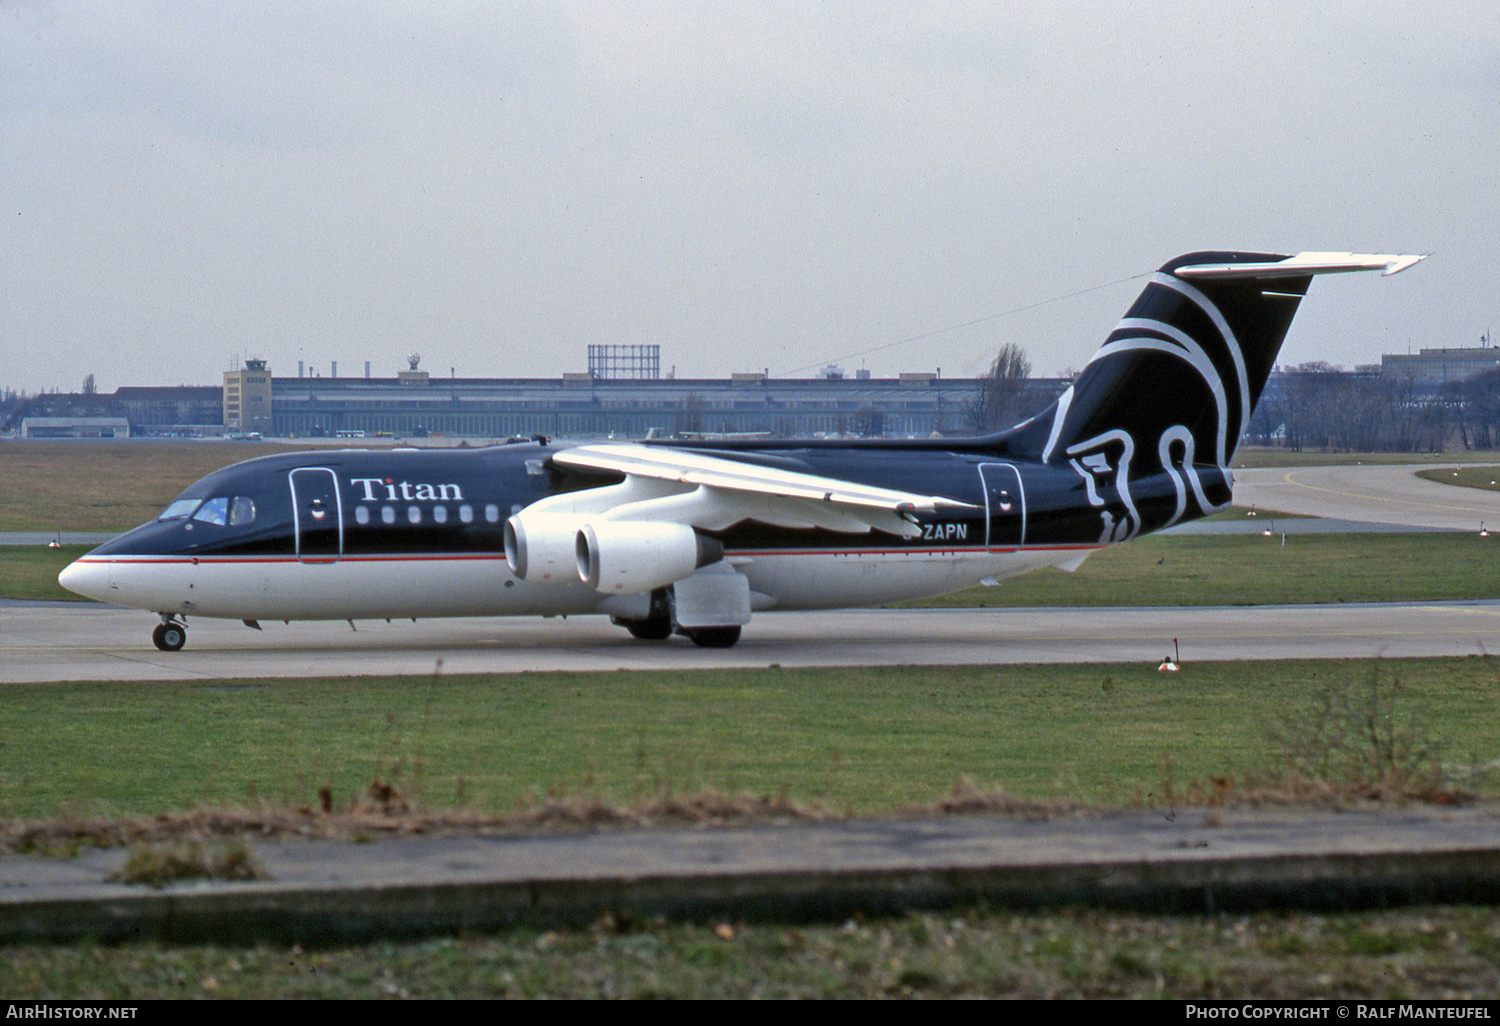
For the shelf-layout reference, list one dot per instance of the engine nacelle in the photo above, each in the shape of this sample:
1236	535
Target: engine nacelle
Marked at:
623	557
540	548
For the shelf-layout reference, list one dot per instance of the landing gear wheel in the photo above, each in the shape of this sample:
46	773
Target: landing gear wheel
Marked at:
169	637
657	625
648	630
713	637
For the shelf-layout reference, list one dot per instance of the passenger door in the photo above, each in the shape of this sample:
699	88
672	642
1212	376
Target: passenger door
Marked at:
1004	506
318	513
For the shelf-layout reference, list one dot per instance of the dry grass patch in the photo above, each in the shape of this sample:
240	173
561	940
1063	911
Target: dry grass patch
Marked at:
385	811
157	865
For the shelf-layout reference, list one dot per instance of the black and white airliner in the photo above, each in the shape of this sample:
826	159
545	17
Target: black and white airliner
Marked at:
692	538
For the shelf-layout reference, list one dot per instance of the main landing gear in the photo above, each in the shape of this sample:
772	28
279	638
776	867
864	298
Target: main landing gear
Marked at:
713	637
659	625
703	637
647	630
170	635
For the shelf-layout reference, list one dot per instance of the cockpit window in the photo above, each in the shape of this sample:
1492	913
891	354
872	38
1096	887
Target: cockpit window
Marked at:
214	511
180	509
241	511
234	511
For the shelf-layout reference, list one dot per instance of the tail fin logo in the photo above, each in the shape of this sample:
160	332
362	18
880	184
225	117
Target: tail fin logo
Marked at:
1104	465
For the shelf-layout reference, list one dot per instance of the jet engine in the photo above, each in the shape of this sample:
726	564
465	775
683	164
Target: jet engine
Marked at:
541	548
624	557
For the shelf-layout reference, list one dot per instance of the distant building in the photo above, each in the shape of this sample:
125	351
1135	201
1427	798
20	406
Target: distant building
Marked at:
179	409
130	411
247	398
579	405
75	427
630	363
1437	366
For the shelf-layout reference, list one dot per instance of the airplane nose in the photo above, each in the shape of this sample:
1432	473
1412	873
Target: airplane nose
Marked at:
91	580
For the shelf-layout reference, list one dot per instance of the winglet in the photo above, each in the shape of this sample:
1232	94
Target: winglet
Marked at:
1301	265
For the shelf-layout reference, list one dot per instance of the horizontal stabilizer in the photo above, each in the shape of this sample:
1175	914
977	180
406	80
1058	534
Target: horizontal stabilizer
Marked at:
1300	266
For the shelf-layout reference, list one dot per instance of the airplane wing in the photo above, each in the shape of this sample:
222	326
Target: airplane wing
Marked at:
712	492
716	472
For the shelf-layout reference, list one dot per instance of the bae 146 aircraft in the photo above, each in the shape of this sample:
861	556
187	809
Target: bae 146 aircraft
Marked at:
693	538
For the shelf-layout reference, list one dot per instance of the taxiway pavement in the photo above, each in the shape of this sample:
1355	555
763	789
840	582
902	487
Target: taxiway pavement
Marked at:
1379	494
57	641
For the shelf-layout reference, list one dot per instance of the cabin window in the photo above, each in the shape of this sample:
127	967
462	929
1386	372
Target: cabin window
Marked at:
466	513
440	515
492	513
387	514
414	514
361	515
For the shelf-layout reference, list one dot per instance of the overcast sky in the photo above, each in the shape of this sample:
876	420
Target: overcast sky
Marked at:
766	185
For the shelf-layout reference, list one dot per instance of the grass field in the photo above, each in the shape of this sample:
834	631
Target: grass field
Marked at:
1438	953
869	741
30	571
1485	478
104	486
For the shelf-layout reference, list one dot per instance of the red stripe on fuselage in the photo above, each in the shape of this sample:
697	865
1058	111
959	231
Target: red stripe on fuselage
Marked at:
979	550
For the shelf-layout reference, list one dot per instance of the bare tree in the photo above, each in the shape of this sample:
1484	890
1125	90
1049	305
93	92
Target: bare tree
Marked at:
1323	407
998	404
1310	404
89	388
689	415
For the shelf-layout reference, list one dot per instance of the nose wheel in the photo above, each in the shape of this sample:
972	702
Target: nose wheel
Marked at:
169	636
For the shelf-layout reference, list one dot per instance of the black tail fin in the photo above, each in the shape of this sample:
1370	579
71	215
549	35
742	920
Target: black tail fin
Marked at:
1184	368
1150	425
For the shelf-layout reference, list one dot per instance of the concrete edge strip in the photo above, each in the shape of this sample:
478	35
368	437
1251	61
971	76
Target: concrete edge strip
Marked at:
229	913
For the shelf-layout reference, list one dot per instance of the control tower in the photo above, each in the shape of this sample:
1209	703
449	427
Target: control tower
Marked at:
247	398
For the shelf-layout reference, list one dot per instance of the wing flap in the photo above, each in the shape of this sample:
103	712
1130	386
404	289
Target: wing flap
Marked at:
719	493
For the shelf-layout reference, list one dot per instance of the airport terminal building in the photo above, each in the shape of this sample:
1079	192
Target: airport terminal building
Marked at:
581	405
621	395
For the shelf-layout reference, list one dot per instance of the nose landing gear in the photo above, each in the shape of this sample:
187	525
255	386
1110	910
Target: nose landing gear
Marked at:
170	635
